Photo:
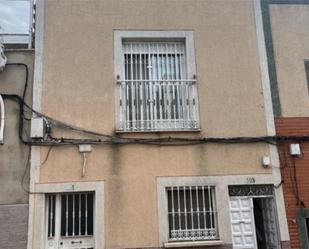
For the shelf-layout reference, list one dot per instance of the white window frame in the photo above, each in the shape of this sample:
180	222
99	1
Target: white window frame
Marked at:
186	36
166	182
189	194
39	231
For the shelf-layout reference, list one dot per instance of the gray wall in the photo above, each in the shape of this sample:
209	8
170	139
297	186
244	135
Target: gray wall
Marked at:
13	154
13	226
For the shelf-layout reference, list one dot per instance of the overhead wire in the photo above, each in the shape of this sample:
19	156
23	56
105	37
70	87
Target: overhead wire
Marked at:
120	140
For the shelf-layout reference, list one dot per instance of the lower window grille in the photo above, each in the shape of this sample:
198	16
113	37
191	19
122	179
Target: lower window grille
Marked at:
192	213
76	214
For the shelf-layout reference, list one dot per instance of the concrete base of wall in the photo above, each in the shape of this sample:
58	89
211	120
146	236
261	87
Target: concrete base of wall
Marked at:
13	226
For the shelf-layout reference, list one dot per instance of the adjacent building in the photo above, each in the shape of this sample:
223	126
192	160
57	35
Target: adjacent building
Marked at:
15	86
288	55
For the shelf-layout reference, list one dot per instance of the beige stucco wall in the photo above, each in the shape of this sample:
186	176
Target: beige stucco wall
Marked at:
79	88
290	39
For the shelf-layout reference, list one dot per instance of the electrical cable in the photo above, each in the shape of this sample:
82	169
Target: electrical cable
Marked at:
299	201
25	171
112	139
26	76
47	155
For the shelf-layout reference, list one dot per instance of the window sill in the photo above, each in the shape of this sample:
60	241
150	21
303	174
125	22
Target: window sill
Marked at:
193	243
160	131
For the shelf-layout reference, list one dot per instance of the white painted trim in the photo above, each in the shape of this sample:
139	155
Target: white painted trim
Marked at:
221	184
270	123
193	243
37	105
39	228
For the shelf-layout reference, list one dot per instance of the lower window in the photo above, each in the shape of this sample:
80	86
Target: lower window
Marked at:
192	213
70	220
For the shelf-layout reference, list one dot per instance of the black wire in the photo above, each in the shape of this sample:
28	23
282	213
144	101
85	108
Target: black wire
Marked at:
109	139
47	155
296	182
26	76
25	173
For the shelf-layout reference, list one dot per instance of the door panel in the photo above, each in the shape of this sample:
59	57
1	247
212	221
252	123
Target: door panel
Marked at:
242	220
270	223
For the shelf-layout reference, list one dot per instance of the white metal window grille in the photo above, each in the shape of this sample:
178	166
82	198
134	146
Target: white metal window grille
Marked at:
156	93
70	220
192	213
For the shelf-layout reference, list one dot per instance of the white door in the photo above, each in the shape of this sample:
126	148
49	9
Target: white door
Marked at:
242	220
69	221
270	223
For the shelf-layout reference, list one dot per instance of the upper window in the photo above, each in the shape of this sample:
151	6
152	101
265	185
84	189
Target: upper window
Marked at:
156	80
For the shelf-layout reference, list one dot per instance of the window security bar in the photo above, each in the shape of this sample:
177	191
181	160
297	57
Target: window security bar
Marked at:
157	105
75	214
192	213
155	93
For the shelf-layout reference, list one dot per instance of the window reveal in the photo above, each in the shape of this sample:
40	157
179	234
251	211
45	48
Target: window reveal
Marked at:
76	214
155	93
192	213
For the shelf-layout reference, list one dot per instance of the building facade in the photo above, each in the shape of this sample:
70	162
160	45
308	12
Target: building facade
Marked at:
288	52
150	127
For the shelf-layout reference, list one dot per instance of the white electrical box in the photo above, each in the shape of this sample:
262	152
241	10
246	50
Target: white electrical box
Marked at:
265	161
84	148
295	150
37	127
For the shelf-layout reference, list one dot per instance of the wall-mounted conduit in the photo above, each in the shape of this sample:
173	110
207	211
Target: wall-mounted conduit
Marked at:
1	119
